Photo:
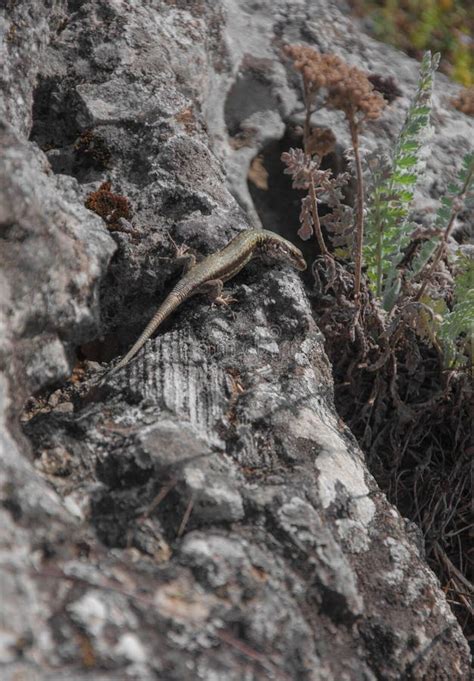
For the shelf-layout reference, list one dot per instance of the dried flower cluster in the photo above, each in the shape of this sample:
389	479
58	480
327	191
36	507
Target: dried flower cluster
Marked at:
348	87
321	142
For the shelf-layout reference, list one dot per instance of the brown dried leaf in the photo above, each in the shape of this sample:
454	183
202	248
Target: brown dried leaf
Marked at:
258	174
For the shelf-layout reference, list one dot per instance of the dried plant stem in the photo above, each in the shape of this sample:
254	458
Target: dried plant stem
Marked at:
461	580
360	206
312	191
377	218
186	516
444	240
307	118
437	256
317	225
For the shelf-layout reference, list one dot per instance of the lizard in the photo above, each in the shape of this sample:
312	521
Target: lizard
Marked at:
209	275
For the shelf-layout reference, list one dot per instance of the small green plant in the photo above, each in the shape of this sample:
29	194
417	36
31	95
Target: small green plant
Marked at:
399	269
397	342
388	228
457	328
398	345
459	195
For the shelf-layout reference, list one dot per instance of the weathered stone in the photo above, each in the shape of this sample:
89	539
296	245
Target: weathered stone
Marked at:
204	514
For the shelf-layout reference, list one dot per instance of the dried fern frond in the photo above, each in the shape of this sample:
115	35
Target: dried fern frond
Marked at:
348	89
307	175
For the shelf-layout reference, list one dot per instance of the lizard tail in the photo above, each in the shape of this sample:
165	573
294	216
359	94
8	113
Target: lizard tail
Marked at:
168	306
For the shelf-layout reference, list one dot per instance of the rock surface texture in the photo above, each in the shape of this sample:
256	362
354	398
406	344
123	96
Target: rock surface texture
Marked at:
204	514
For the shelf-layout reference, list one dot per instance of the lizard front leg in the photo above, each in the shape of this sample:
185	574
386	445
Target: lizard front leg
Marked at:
188	260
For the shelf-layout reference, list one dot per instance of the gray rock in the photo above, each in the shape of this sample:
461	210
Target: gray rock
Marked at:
204	514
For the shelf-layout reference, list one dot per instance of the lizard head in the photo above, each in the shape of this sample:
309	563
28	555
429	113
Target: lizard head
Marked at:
281	249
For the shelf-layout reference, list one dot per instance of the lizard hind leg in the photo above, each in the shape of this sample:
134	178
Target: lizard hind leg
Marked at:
213	289
224	299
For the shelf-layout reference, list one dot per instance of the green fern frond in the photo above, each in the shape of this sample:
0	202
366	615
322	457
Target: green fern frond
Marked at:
387	226
459	190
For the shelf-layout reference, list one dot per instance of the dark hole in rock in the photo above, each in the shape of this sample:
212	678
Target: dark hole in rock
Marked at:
96	351
55	105
71	149
75	5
